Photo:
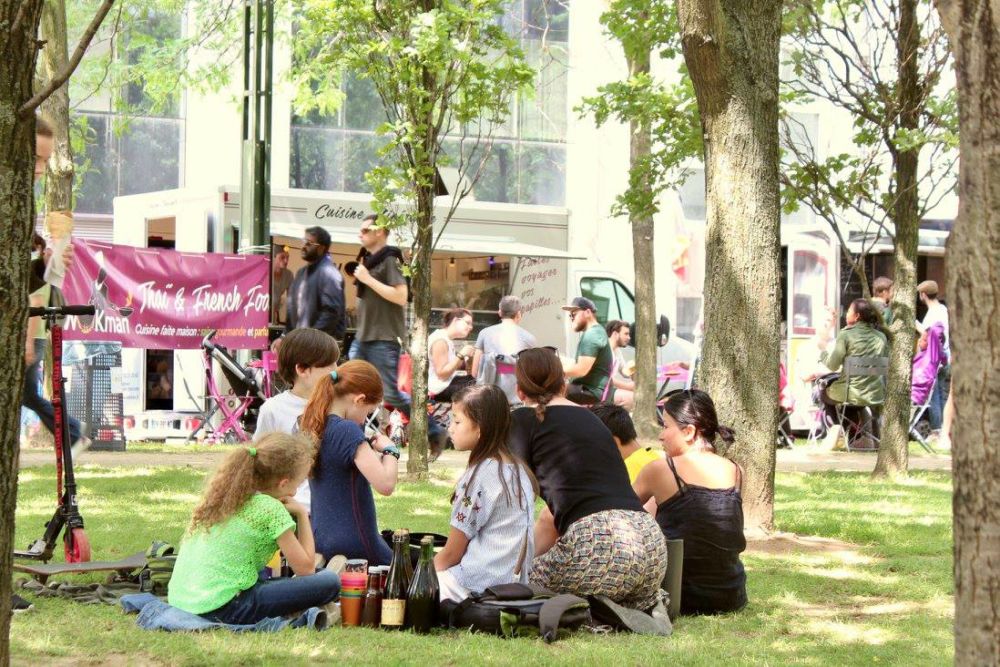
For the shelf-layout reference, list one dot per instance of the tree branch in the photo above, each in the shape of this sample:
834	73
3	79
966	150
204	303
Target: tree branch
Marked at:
57	81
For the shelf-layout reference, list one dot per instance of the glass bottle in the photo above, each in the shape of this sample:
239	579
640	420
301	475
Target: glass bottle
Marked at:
422	598
397	584
371	610
408	561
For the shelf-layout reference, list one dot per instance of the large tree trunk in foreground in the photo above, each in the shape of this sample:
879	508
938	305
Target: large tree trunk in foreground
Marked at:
731	51
55	110
17	66
974	292
894	448
640	147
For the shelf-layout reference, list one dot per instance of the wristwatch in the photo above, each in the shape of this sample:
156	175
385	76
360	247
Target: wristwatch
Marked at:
391	450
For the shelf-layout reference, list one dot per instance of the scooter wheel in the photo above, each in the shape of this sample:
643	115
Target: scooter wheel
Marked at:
77	546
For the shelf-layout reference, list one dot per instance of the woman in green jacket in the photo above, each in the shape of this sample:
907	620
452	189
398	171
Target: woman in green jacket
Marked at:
862	337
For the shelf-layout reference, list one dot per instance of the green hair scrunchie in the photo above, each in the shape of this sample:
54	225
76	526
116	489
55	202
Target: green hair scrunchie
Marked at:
335	376
252	451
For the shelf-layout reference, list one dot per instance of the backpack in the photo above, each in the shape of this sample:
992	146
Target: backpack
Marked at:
518	610
155	575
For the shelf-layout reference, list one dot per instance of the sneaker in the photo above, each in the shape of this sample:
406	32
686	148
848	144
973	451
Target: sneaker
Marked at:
80	446
19	604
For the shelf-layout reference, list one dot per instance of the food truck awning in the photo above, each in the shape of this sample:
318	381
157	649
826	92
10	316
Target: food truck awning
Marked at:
460	244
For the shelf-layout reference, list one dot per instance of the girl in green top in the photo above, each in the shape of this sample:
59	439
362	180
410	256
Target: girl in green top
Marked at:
247	513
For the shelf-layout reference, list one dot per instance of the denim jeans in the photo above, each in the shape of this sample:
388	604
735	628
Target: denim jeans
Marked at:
935	410
32	399
384	356
278	597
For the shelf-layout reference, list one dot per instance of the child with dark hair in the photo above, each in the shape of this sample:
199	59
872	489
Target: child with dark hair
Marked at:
246	514
493	507
617	419
305	357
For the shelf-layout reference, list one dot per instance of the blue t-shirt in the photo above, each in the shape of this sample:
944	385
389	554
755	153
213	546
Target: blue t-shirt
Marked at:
343	509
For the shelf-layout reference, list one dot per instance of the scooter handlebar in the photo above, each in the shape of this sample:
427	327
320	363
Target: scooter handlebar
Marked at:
60	311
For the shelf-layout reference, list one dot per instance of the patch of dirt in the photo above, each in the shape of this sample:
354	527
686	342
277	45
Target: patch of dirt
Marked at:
784	544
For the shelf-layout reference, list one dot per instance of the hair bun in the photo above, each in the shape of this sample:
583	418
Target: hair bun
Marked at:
727	434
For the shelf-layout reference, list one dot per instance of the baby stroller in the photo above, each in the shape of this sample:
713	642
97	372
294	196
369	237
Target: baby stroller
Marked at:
239	408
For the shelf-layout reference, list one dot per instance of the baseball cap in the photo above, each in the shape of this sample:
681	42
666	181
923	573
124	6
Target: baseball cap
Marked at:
581	303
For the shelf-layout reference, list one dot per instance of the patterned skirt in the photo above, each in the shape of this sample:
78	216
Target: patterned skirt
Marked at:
618	553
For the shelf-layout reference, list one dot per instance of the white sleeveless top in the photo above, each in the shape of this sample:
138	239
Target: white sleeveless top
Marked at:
435	384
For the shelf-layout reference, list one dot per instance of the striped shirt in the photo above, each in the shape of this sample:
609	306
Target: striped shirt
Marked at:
496	528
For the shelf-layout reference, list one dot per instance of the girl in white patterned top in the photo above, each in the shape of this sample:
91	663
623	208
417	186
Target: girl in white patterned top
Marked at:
492	538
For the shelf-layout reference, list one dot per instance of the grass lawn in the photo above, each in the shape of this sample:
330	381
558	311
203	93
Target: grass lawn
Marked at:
886	597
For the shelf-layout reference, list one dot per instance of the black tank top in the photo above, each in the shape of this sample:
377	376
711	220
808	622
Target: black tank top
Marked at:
710	521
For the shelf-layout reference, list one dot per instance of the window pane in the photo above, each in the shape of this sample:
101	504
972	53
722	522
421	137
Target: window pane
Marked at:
499	180
602	292
363	108
360	156
96	177
548	19
150	155
317	156
544	110
542	172
809	287
626	304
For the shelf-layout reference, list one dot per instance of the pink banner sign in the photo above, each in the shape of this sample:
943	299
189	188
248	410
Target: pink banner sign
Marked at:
161	299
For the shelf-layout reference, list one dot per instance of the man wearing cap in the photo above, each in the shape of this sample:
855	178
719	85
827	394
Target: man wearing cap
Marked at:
937	313
590	373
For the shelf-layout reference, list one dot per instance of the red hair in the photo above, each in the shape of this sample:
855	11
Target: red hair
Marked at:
352	377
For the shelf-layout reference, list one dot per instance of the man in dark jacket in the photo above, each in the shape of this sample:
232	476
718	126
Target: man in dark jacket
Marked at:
316	297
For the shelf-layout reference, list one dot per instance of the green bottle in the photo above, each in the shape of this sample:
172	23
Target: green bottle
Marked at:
423	597
397	583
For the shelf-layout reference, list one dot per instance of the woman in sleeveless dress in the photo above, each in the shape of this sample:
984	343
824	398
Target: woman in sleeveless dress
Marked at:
698	500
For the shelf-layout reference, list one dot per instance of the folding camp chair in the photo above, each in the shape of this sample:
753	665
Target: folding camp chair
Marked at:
916	413
855	367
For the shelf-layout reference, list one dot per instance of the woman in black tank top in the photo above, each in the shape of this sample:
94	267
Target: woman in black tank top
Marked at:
702	506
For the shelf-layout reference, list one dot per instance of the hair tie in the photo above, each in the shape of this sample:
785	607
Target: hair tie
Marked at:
333	374
252	451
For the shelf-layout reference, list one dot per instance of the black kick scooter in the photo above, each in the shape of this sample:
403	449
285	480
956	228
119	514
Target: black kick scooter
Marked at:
67	515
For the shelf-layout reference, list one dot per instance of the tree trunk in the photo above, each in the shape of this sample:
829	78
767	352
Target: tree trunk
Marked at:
893	455
55	110
18	53
731	51
640	147
420	283
973	278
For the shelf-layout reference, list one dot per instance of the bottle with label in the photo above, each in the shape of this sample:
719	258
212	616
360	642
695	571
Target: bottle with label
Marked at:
422	598
371	609
397	584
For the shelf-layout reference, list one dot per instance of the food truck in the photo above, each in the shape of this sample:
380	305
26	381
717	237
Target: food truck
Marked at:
486	251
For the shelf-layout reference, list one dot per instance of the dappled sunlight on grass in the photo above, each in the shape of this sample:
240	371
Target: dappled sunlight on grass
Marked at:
866	578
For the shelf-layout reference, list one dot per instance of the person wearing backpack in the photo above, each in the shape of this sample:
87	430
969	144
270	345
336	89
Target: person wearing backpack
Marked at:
491	540
248	513
594	538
